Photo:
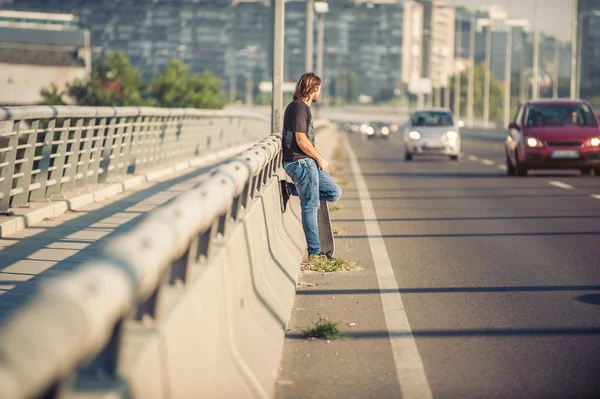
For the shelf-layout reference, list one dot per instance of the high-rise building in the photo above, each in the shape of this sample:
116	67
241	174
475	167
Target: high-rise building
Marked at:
496	19
232	38
442	45
412	44
588	14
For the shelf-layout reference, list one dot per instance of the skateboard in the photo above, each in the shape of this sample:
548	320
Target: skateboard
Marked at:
325	232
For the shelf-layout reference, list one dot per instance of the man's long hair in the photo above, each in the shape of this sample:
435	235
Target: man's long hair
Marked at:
306	86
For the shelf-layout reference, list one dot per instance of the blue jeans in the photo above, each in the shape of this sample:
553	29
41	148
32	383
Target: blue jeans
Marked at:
312	185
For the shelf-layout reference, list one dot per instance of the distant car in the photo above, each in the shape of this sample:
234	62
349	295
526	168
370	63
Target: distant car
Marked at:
378	130
553	134
432	131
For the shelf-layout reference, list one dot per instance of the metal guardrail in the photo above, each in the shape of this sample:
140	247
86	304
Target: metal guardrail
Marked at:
46	151
72	330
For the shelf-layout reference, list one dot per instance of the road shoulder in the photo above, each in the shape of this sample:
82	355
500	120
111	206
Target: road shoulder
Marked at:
360	365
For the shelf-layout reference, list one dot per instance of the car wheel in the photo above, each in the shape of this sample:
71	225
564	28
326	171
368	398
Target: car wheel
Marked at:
510	168
408	156
454	157
520	170
586	171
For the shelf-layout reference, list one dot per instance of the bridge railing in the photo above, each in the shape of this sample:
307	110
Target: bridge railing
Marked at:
204	283
46	151
78	320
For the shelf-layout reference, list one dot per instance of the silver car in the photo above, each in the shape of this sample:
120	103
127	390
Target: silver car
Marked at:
432	131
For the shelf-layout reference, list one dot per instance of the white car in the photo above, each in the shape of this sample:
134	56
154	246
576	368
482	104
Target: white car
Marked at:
432	131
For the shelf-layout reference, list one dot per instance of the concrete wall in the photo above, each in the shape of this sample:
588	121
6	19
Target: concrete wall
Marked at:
21	84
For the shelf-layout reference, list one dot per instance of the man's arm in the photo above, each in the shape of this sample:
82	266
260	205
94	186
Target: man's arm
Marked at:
310	150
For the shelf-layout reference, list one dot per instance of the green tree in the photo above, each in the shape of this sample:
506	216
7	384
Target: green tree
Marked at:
52	95
496	94
176	88
345	85
113	82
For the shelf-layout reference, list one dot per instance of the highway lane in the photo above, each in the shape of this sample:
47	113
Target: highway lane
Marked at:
500	276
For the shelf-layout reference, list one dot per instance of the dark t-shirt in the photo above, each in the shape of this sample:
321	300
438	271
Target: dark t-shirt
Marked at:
297	118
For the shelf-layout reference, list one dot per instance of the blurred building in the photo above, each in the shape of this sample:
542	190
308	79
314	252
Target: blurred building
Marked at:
588	15
442	44
412	44
496	19
37	49
231	38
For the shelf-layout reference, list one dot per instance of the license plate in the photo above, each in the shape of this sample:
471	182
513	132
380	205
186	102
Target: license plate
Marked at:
569	154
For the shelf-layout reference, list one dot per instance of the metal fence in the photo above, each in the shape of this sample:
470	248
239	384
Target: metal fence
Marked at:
46	151
79	318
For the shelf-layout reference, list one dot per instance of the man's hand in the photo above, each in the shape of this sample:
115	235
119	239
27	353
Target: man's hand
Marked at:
305	145
323	164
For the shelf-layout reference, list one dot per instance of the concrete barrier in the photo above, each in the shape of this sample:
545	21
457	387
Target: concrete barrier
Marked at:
191	302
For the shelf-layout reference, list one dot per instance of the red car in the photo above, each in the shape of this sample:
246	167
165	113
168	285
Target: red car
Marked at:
553	134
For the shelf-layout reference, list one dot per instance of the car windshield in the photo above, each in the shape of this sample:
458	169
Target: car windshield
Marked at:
432	118
559	115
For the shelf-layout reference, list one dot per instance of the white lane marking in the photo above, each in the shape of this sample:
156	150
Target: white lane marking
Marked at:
473	158
487	162
409	366
503	167
560	184
597	196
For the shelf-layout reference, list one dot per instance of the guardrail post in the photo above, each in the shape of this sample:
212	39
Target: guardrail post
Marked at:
57	169
133	149
24	163
73	156
86	153
8	153
117	166
107	150
96	150
101	374
41	178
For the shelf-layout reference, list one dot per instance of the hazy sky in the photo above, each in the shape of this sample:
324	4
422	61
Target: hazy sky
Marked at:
555	15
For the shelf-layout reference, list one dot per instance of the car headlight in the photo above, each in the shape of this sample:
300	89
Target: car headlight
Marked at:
532	142
452	135
385	130
595	142
414	135
369	130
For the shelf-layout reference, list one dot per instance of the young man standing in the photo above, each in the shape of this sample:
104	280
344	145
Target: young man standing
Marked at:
303	163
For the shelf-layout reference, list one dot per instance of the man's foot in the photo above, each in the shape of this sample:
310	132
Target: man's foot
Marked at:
285	195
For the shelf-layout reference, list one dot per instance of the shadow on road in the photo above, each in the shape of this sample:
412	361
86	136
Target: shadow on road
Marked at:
47	252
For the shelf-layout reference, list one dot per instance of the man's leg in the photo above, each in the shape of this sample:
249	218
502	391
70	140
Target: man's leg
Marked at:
329	190
305	175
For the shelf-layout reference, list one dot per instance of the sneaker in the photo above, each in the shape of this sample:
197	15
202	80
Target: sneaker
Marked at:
285	195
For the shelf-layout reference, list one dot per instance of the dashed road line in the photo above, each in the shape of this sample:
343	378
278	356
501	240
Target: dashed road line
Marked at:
597	196
472	158
487	162
560	184
503	167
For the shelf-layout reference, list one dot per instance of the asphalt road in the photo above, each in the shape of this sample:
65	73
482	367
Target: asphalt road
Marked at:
499	277
499	272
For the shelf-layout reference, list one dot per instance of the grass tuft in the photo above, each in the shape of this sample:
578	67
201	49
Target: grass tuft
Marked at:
336	208
339	230
321	263
323	329
338	153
